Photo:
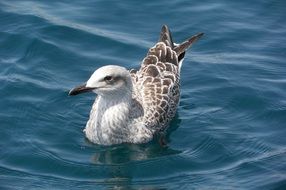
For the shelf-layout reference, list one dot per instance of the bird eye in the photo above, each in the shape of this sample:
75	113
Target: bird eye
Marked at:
108	78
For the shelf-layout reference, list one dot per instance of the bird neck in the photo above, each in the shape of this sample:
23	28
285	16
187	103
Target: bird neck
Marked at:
114	111
116	98
114	101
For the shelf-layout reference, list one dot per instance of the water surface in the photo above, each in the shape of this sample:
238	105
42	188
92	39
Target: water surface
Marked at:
229	132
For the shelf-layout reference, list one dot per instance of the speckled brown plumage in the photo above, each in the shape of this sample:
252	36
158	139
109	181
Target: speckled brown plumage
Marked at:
157	82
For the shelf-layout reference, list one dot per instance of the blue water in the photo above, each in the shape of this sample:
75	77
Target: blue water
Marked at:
230	129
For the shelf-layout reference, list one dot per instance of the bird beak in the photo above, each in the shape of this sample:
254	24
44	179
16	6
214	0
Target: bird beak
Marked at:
80	89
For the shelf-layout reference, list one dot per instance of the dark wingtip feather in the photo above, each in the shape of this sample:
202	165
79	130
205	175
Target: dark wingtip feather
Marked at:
195	37
166	37
185	45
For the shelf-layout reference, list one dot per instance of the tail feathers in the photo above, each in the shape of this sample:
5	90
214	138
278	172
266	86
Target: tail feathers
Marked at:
166	36
181	48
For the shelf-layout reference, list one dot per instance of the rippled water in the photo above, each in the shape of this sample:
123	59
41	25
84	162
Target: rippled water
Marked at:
229	132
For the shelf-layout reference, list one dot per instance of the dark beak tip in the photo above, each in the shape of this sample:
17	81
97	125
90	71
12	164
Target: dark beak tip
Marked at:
79	89
70	93
75	91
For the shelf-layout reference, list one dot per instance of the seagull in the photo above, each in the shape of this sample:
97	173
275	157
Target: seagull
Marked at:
133	106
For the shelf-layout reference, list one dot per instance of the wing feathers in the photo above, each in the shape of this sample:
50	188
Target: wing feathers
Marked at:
166	36
156	83
181	48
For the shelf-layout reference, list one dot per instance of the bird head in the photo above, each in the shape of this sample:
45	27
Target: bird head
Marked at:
108	80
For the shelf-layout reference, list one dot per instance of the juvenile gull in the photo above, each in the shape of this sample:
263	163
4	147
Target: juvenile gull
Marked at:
133	106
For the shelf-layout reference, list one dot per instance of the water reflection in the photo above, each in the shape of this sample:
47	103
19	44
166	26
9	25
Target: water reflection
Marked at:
122	162
123	154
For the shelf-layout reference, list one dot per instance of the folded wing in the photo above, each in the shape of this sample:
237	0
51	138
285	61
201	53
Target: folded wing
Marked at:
157	82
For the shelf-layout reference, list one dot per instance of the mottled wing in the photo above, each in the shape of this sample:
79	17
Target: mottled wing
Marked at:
157	82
